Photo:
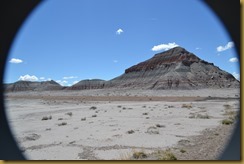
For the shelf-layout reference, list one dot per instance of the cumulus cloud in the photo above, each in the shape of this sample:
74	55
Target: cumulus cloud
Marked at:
62	82
233	60
226	47
164	47
16	61
28	78
236	75
119	31
70	77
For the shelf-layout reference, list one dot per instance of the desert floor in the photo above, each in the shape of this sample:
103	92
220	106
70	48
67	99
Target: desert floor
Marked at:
113	124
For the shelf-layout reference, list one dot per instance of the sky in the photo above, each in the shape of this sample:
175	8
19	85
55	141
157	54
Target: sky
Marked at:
68	41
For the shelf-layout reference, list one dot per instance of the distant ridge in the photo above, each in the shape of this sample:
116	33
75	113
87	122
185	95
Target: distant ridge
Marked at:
173	69
33	86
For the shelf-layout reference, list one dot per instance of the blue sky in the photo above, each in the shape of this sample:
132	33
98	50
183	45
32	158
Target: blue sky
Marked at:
68	41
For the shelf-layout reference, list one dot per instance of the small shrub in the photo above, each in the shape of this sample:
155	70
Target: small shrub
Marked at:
182	151
69	113
94	115
202	116
119	106
152	130
166	155
139	155
124	108
60	118
83	119
62	124
160	126
130	131
186	106
46	118
147	117
145	113
144	106
93	108
227	122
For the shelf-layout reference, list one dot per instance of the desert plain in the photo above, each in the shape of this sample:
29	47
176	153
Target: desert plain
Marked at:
120	124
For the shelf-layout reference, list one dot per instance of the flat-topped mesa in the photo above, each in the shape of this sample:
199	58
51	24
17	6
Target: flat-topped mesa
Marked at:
174	55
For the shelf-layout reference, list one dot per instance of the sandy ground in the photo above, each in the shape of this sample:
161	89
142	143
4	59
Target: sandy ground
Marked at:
102	124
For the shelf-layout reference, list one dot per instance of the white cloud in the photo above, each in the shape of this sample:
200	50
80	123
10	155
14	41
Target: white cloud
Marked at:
233	60
42	78
76	81
70	77
28	78
164	47
198	48
236	75
62	82
119	31
226	47
16	61
115	61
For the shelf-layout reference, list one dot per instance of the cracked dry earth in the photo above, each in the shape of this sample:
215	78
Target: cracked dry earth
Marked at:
49	129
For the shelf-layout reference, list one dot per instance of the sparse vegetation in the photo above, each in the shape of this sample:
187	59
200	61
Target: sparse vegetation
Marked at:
166	155
119	106
62	124
152	130
139	155
83	119
124	108
130	131
145	113
60	118
69	113
147	117
160	126
227	121
94	115
200	116
93	108
186	106
182	151
46	118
